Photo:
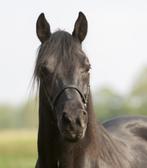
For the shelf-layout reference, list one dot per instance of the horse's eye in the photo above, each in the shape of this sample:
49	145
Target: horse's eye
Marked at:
87	68
44	69
45	72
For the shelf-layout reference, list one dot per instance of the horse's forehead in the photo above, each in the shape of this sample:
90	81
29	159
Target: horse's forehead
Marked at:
65	65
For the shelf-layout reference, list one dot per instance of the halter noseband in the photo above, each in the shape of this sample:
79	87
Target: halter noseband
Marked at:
84	98
55	100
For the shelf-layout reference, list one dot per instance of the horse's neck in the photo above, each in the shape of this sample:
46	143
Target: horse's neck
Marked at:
102	144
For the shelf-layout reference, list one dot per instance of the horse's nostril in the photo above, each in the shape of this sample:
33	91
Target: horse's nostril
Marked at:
80	122
64	114
65	118
84	112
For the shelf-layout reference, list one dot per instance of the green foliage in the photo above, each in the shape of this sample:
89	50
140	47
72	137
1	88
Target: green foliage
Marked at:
24	116
140	85
109	103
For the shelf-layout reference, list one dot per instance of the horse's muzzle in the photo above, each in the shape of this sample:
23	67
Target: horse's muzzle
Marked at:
74	136
74	125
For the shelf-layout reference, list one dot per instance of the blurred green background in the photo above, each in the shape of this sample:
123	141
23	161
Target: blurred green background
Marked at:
18	124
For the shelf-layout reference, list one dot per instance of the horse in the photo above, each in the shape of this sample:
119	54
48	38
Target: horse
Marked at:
69	135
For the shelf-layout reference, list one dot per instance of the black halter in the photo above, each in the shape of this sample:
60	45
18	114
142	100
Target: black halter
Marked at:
84	98
54	102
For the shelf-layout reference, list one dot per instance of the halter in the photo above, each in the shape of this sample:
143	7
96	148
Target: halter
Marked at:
54	102
84	98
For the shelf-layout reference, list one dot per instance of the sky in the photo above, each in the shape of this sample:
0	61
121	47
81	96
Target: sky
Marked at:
116	43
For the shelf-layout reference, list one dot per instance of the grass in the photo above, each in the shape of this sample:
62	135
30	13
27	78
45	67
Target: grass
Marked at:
18	149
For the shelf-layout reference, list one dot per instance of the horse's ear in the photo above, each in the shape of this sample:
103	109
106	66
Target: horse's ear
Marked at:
42	28
80	28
